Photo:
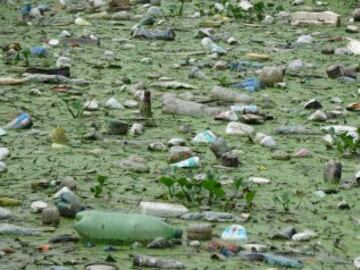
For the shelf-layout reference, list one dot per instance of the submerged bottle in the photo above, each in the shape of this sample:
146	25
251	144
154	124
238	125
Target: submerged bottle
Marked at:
121	227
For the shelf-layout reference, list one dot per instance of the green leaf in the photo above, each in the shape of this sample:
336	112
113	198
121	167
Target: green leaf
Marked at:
238	182
79	108
219	192
96	190
347	139
180	195
214	187
182	181
26	53
259	6
101	179
279	8
249	197
209	184
167	181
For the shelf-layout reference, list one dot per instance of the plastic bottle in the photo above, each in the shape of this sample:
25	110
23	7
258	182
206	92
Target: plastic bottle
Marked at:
199	231
219	147
59	268
162	209
25	9
101	266
251	108
68	205
159	263
250	84
208	44
167	34
271	259
147	20
271	75
244	65
119	4
4	153
224	94
204	137
332	171
179	153
234	233
39	51
22	120
117	127
121	227
193	162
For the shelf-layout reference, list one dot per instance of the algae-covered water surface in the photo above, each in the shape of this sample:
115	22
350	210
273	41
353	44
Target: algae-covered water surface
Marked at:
297	195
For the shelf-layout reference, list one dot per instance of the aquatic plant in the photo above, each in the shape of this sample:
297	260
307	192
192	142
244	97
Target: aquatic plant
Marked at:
101	184
209	190
346	144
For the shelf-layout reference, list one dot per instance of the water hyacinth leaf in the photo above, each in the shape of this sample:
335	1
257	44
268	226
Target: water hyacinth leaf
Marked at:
214	187
167	181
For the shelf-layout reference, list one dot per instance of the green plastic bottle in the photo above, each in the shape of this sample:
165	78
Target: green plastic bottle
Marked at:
121	227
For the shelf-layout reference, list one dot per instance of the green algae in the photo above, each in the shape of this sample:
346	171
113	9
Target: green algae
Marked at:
32	157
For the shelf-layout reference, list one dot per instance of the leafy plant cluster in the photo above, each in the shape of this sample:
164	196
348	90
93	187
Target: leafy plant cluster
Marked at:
224	81
75	108
209	190
285	199
233	10
100	186
17	57
238	13
177	8
346	144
